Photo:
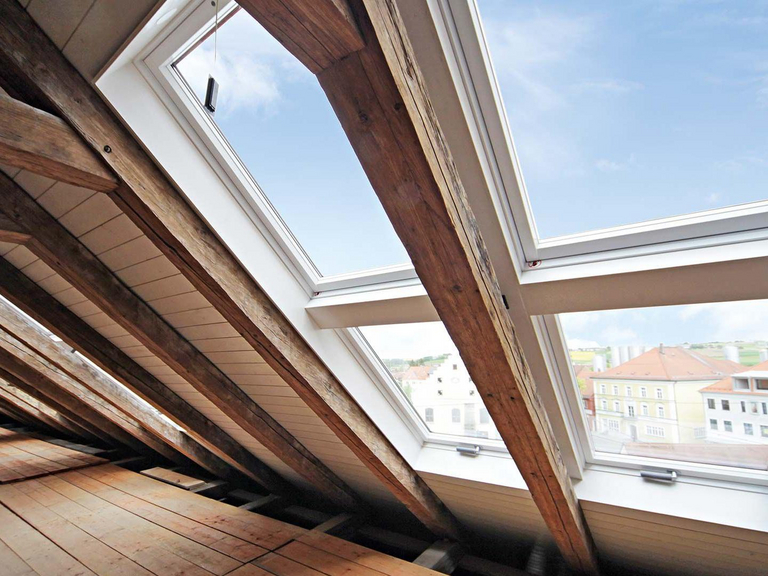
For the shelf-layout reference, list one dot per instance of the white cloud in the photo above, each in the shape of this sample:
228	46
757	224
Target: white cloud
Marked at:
247	62
606	165
729	321
713	197
580	344
610	86
409	341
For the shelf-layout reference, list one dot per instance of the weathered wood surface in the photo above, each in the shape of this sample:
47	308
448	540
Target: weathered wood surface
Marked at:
24	457
318	33
173	478
174	227
46	145
381	100
64	253
41	377
46	310
58	354
49	419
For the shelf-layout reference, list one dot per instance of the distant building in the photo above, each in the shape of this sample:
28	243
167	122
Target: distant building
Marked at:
655	396
736	407
447	400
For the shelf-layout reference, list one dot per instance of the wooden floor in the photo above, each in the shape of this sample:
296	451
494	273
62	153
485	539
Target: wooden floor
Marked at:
110	521
26	457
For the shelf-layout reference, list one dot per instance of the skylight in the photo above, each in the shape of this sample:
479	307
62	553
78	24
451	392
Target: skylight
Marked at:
676	382
630	111
277	119
428	370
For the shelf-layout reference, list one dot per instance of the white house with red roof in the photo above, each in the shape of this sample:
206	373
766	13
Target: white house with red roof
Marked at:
736	407
655	397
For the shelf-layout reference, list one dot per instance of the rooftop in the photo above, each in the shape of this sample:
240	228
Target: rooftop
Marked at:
671	364
726	384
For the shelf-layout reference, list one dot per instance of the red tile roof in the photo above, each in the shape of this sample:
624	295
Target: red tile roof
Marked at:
726	384
417	373
672	364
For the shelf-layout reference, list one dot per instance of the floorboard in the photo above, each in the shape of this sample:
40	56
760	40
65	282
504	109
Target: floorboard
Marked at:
105	520
24	457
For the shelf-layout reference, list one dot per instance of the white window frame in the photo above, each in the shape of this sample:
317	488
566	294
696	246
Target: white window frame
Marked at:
708	228
364	295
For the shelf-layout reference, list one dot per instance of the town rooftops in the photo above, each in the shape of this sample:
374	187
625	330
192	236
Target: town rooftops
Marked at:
671	364
417	372
726	384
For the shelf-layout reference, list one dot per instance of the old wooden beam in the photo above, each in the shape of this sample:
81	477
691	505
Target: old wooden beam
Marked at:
64	253
381	100
59	354
49	312
12	232
46	145
17	360
160	211
318	33
58	425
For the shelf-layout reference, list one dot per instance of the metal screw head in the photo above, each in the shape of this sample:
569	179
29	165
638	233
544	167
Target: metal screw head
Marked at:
108	149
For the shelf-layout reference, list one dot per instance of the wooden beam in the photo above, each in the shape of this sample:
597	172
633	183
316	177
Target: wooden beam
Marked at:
44	144
14	414
64	404
59	354
59	425
20	361
380	98
342	525
12	232
149	199
76	428
318	33
46	310
442	556
73	261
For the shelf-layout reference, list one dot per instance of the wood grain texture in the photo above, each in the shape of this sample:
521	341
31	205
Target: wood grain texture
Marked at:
58	354
44	144
159	210
46	310
66	255
318	33
381	100
12	232
43	377
37	410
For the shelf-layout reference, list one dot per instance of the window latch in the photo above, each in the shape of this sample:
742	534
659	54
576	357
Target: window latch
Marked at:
659	475
468	450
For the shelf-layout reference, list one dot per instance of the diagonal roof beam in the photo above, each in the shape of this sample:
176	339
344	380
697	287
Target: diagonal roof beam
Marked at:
163	215
37	410
72	401
66	255
381	99
46	145
63	358
46	310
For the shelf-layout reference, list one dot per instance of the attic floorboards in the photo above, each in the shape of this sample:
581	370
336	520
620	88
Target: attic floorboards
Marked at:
106	520
24	457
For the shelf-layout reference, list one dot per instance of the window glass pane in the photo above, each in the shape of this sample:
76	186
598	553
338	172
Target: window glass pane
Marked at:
428	370
639	110
277	119
693	372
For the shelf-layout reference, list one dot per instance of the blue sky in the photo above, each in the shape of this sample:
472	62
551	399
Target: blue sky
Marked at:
621	111
624	111
695	323
278	120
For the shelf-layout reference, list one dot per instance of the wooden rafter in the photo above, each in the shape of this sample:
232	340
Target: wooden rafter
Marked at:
53	243
46	310
49	418
61	356
21	365
12	232
40	142
149	199
380	98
